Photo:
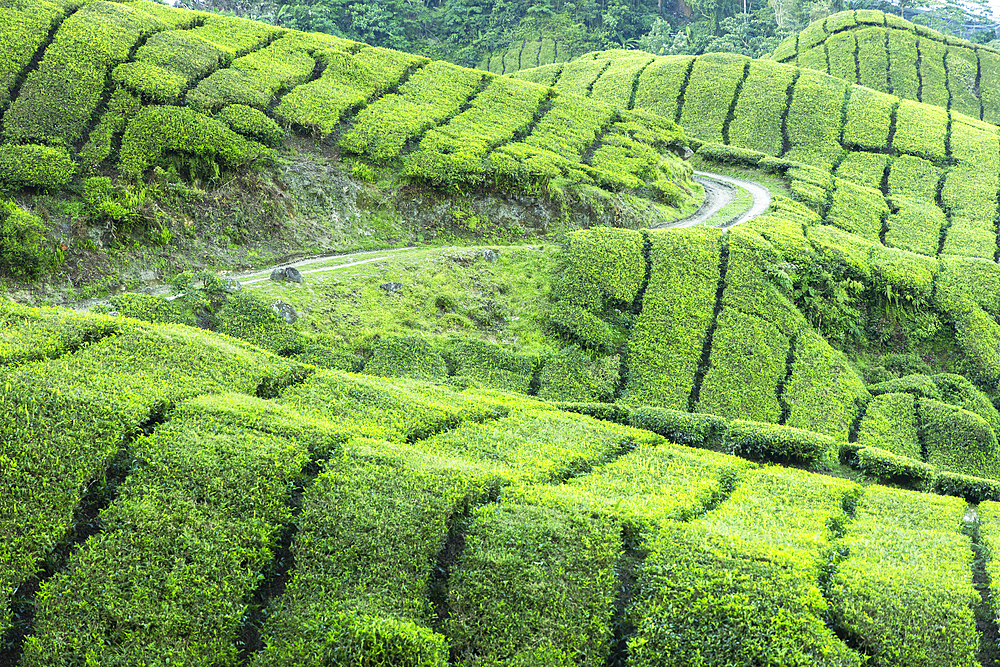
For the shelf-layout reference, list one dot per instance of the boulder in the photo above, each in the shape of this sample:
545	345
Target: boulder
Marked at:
285	311
391	287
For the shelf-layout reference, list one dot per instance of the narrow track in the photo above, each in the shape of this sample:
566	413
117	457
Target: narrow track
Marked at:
719	193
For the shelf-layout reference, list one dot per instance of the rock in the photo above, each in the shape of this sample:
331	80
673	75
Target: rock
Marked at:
231	285
391	287
285	311
688	153
292	274
278	274
490	255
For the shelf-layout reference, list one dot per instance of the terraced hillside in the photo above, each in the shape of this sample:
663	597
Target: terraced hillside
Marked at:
249	510
890	54
890	170
203	92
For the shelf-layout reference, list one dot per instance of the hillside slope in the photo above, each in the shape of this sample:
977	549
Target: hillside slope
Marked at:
890	54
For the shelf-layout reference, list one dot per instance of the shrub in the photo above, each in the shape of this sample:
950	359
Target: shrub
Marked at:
890	424
25	250
571	375
894	468
582	327
756	123
110	202
406	356
863	168
121	108
578	76
609	260
23	32
252	124
710	92
660	85
904	588
959	391
348	81
246	317
989	68
724	154
824	393
972	489
667	338
933	75
962	67
609	412
156	131
918	385
522	561
857	209
432	94
167	64
614	87
840	49
54	108
920	131
33	334
234	36
814	119
147	540
873	58
685	428
498	366
150	308
35	166
869	114
958	440
915	226
747	363
780	444
903	61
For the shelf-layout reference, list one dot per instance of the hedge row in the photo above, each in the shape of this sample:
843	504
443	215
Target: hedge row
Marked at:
454	153
22	33
256	78
33	334
35	166
179	552
371	527
406	356
840	49
605	263
958	440
158	131
167	64
615	86
710	92
252	124
739	586
757	117
573	375
63	420
814	119
546	75
921	131
430	96
631	155
864	168
348	82
122	106
498	366
667	338
869	115
59	98
989	80
890	423
661	85
905	589
578	76
890	467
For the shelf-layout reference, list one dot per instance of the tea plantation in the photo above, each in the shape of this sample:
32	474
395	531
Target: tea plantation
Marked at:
599	445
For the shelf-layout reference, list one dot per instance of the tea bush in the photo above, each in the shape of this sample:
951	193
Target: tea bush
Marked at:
710	92
864	168
779	444
661	85
572	375
757	120
972	489
918	385
122	106
958	440
814	119
499	366
890	423
23	31
33	334
615	85
890	467
252	124
25	249
167	64
150	308
685	428
407	356
246	317
920	131
578	76
35	166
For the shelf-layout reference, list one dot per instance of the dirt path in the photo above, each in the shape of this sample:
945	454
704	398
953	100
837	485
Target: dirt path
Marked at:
719	193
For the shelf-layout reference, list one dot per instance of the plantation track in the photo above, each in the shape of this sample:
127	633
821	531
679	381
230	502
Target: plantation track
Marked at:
719	193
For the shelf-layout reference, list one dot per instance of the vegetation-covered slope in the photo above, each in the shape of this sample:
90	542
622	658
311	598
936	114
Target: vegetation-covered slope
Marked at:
322	517
890	54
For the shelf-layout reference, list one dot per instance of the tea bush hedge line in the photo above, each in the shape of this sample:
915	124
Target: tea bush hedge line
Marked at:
615	85
661	85
918	385
167	64
667	337
179	553
25	249
61	436
891	467
22	32
59	98
35	166
711	89
958	440
252	124
863	168
407	356
493	365
33	334
431	95
890	423
907	565
578	76
762	101
122	106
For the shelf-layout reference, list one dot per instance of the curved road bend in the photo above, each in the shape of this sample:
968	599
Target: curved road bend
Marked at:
719	193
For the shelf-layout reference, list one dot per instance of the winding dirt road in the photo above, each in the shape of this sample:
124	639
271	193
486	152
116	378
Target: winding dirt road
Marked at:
719	193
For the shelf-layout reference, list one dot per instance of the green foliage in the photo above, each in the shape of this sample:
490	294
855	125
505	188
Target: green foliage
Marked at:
246	317
150	308
972	489
920	131
408	356
904	589
824	392
780	444
432	94
348	81
121	108
25	249
631	153
959	391
958	440
154	537
915	226
933	76
857	209
234	36
582	327
747	363
33	334
578	76
571	375
454	153
873	58
35	166
605	262
685	428
710	93
614	86
963	71
660	85
890	424
757	121
863	168
814	119
55	108
167	64
110	202
869	114
158	131
840	49
522	561
917	385
903	57
665	348
22	32
893	468
989	70
499	366
252	124
370	529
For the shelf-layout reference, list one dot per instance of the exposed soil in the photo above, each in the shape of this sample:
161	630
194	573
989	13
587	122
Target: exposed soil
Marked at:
719	193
